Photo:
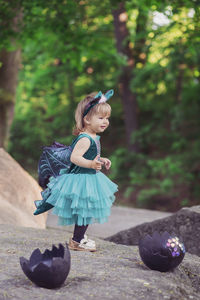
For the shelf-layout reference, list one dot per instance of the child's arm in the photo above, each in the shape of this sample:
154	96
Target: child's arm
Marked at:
77	155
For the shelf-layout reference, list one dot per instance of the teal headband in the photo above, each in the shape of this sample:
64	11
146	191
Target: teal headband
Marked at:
99	98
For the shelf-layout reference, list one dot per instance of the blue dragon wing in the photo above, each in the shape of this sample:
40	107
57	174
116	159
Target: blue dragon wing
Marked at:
53	159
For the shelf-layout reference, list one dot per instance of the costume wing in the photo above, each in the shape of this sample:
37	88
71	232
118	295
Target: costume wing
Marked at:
53	159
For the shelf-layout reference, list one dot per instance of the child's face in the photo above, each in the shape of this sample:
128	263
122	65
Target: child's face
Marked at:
98	123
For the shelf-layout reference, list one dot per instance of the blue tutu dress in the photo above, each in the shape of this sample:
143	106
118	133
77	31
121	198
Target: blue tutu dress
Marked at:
82	195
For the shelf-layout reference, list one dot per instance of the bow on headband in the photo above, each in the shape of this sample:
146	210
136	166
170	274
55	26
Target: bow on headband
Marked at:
99	98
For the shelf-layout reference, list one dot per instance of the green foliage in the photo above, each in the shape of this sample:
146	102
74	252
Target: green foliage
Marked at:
53	79
69	50
165	183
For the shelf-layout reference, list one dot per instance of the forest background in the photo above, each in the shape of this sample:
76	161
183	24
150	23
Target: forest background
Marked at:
53	53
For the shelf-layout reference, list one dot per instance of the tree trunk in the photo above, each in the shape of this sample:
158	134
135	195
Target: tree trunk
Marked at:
129	99
8	83
9	65
179	83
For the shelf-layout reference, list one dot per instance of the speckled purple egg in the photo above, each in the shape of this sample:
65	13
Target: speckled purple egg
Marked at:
161	252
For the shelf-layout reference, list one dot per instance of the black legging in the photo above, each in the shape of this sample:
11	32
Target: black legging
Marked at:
79	232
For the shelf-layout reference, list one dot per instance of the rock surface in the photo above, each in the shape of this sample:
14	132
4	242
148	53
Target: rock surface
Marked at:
185	224
18	190
114	272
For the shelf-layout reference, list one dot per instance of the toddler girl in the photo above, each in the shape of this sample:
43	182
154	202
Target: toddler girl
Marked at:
84	195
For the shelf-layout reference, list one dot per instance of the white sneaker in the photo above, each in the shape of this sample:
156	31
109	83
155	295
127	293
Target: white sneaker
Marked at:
84	245
88	240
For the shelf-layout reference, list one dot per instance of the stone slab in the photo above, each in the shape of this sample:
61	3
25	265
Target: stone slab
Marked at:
114	272
185	224
18	190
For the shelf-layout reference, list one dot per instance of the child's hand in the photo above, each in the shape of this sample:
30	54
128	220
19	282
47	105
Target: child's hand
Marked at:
97	163
106	162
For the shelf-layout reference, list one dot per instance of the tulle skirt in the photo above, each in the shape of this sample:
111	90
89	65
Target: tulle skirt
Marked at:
81	198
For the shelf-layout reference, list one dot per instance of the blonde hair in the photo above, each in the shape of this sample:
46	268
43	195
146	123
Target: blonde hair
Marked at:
101	108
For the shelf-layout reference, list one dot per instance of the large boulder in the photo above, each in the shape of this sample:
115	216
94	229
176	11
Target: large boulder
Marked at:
114	272
18	190
185	224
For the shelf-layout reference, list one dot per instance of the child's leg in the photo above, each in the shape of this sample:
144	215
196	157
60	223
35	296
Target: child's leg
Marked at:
79	232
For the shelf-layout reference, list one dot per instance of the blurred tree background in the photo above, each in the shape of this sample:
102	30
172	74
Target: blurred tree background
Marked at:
53	53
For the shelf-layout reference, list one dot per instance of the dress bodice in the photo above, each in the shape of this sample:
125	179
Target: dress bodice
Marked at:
91	153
